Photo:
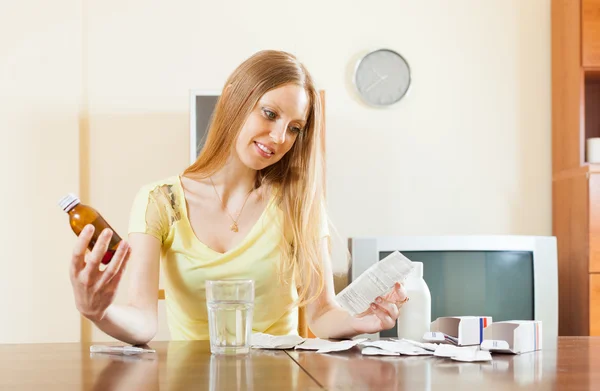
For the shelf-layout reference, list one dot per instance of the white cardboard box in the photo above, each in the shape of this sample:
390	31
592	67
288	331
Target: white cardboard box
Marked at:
461	330
514	336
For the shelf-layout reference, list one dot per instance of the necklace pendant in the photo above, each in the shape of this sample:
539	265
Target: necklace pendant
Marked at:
234	227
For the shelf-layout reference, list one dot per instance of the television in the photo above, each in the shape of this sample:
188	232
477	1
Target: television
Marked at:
505	277
202	106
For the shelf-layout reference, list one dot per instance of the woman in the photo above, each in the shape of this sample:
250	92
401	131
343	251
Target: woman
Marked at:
251	206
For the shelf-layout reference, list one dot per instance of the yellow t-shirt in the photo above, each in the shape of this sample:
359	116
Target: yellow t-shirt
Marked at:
160	210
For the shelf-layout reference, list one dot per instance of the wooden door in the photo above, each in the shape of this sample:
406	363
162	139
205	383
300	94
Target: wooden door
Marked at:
594	223
590	33
595	304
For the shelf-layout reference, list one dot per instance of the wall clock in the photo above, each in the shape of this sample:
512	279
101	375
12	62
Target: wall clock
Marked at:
382	77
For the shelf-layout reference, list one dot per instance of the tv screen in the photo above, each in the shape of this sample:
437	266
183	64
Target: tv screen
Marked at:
490	283
202	112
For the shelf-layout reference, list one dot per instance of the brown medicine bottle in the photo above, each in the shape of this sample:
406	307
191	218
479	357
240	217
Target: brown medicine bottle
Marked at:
81	215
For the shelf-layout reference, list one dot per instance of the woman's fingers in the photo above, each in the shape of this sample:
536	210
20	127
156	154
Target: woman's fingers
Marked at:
397	295
386	311
388	306
100	247
81	245
114	282
116	264
385	319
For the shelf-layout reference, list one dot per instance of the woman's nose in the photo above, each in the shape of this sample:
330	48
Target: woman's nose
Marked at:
278	134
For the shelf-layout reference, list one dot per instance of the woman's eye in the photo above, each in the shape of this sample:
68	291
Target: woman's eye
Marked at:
295	129
269	114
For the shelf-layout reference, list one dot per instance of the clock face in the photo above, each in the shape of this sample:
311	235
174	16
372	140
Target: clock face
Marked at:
382	77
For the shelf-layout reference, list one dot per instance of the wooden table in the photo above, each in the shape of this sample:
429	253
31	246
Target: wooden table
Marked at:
573	364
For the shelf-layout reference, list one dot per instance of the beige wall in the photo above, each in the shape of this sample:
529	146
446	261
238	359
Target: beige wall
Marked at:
466	152
40	88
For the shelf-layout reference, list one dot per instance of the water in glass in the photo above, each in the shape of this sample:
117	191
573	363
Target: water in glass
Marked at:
230	306
230	325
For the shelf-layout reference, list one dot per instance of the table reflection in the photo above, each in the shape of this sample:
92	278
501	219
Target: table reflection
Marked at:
572	365
126	372
190	365
353	370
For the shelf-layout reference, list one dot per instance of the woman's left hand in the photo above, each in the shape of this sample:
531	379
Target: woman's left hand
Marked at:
382	314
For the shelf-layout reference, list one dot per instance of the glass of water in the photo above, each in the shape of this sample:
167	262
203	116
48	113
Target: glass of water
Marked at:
230	306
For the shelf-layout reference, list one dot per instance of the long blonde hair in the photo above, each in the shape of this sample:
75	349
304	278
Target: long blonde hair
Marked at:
297	178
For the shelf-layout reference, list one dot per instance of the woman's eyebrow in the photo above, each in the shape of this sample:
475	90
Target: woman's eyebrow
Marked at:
276	106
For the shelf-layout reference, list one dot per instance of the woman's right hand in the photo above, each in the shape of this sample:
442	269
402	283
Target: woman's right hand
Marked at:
95	290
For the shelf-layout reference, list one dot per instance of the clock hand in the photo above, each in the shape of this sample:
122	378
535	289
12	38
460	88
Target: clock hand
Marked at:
374	84
375	72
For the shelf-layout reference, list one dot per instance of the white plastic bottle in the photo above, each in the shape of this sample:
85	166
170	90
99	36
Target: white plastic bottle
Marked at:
415	314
